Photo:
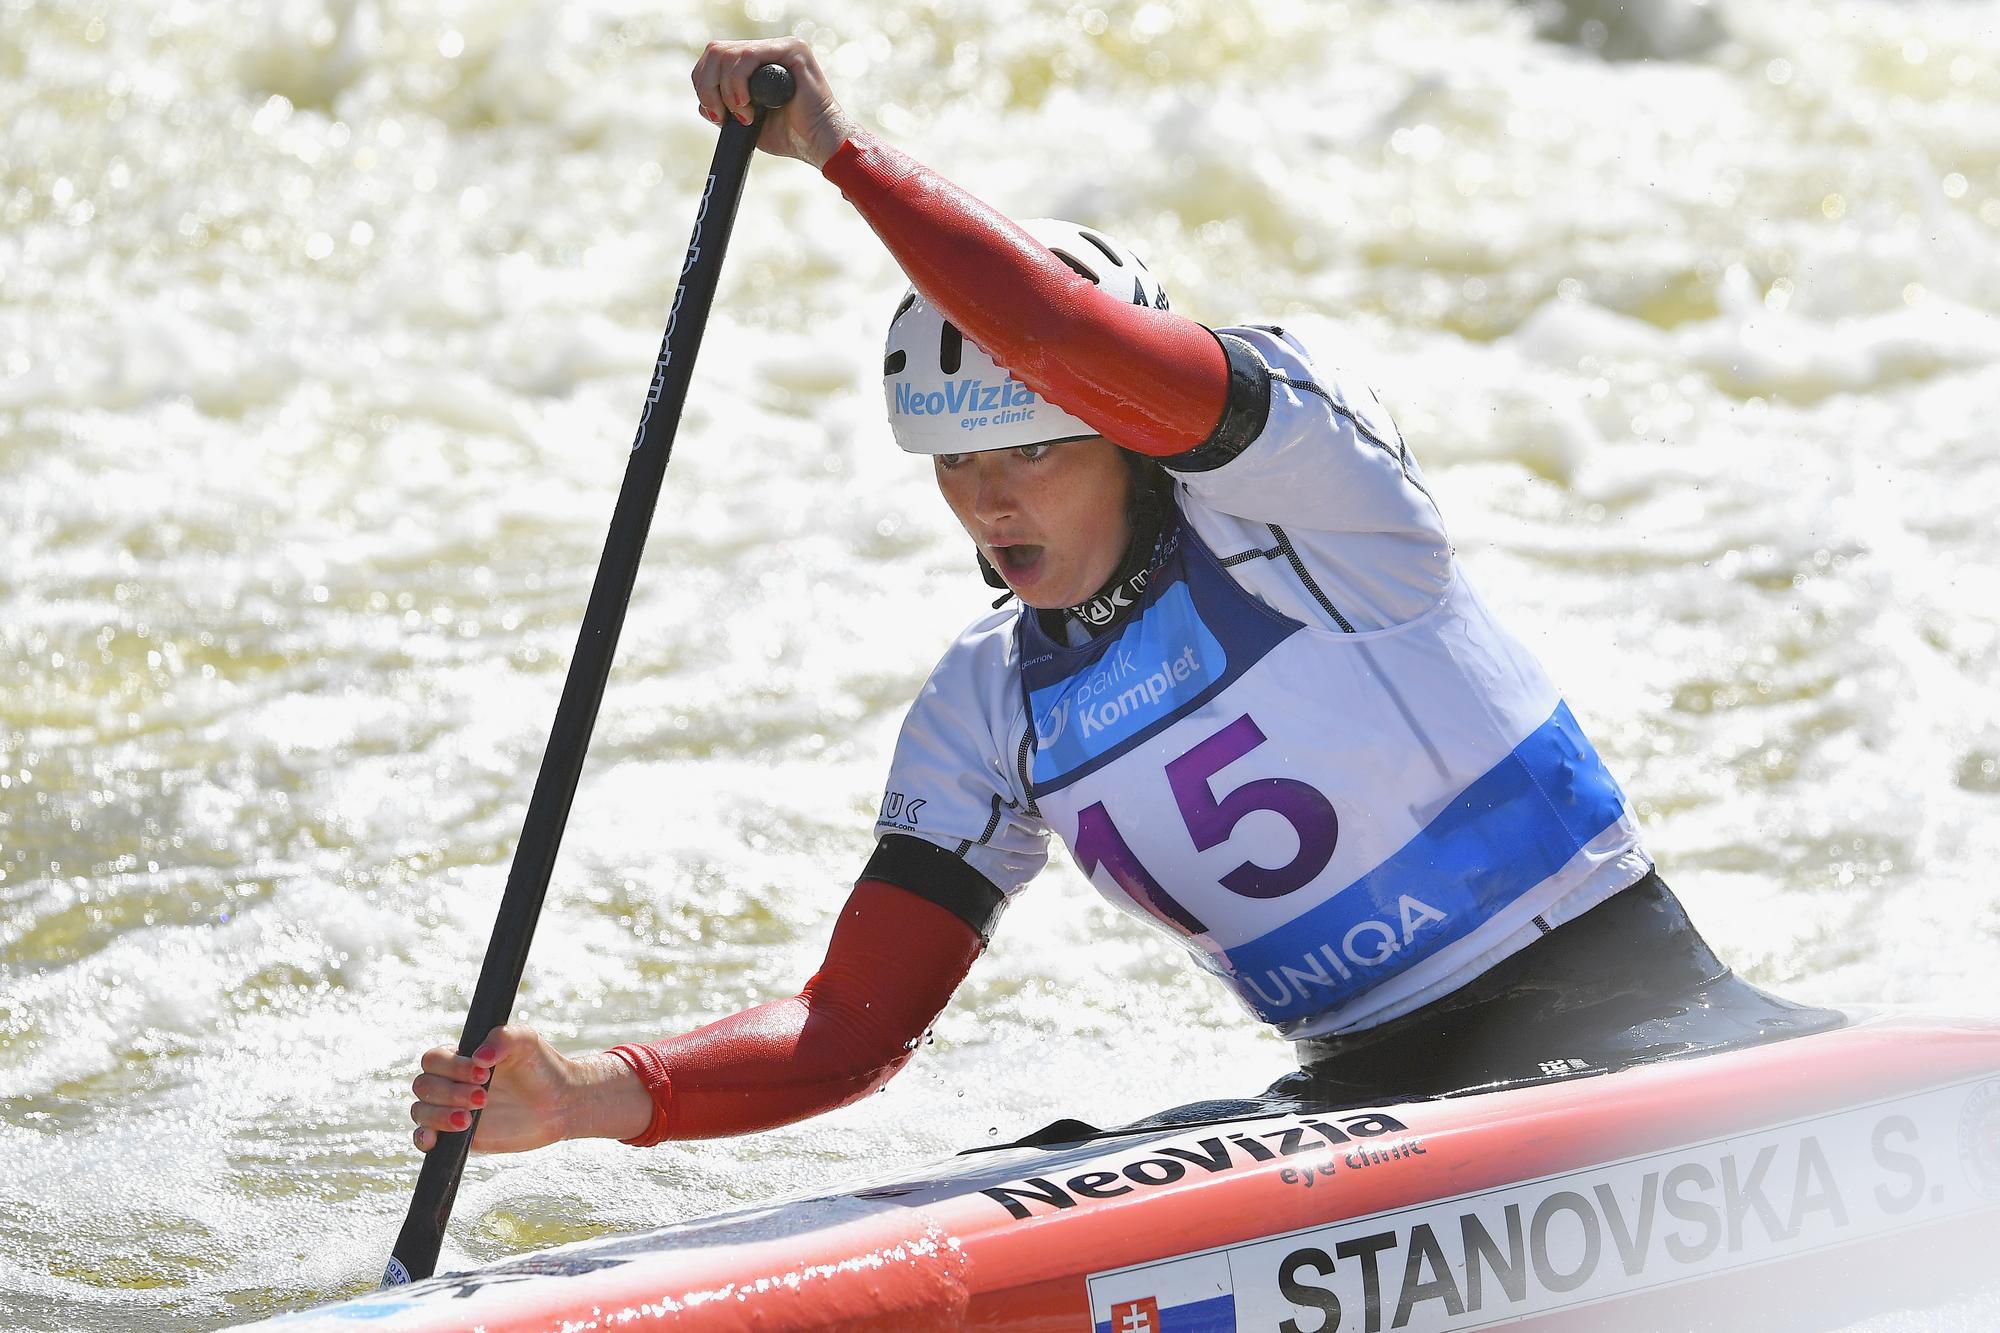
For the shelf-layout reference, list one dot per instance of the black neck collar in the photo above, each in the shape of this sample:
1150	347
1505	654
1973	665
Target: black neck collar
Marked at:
1119	595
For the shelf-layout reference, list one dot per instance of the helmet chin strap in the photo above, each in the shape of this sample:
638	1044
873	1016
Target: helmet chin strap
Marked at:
992	577
990	574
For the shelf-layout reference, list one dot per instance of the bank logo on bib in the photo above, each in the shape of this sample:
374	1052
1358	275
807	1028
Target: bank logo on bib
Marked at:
1048	730
1163	661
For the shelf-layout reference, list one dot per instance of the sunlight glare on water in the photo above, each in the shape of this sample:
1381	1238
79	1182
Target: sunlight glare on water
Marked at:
323	328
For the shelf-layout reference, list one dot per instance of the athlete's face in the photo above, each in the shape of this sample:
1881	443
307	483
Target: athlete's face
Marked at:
1050	517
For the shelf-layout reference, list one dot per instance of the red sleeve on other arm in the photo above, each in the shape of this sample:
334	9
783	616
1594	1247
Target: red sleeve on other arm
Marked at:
892	965
1149	380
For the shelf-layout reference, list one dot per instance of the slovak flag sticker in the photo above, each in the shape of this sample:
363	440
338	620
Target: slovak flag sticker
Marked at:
1140	1316
1190	1295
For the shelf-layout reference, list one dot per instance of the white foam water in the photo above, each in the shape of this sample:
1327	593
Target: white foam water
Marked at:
323	328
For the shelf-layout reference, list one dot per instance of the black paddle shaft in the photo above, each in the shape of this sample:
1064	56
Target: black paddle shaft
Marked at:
416	1251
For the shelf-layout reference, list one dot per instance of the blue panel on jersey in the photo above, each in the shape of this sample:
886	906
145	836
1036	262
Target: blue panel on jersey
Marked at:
1193	634
1515	826
1165	660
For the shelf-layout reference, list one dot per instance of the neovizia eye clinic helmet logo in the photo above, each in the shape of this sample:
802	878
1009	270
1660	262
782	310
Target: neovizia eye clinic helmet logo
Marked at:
962	396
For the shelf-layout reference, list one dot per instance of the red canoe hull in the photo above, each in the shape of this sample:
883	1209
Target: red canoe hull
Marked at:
1798	1184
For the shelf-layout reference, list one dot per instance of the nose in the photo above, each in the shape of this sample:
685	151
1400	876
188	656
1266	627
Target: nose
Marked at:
993	492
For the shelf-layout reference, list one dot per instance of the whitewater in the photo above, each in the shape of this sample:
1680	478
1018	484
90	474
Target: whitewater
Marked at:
324	326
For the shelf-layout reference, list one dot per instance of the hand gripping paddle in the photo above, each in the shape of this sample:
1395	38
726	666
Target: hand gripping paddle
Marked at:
416	1251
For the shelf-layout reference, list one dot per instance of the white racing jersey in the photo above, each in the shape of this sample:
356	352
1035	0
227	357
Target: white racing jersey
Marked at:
1309	753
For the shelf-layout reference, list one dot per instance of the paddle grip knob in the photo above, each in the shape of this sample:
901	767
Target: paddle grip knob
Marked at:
771	86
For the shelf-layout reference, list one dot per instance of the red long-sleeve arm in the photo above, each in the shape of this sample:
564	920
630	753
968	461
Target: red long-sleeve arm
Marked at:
1150	380
892	965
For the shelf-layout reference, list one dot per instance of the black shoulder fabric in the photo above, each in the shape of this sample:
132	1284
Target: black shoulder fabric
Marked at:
1243	415
937	876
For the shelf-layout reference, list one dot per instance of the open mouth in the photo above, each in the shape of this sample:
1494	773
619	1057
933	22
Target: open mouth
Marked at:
1017	562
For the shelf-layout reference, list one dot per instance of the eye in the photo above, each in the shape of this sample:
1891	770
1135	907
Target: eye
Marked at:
948	461
1031	452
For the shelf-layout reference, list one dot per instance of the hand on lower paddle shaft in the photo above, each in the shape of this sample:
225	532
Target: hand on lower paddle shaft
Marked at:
527	1093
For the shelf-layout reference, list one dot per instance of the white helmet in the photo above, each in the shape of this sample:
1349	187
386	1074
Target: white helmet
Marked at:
946	396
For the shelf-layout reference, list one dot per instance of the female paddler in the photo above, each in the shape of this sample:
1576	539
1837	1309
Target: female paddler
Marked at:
1246	683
